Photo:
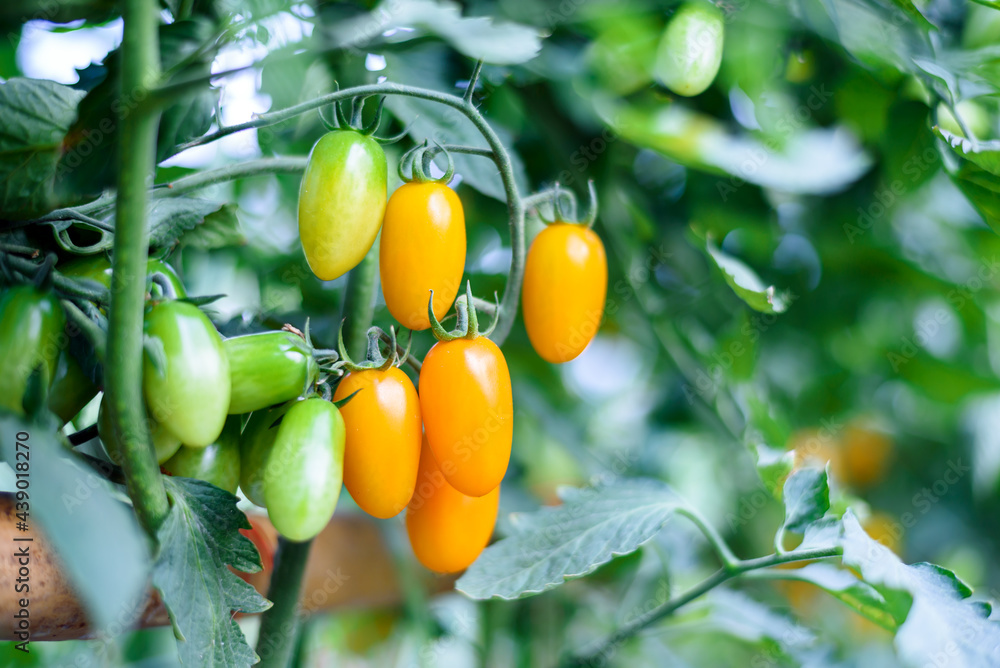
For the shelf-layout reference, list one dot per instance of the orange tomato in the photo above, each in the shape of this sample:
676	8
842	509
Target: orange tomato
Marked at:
565	283
867	455
447	529
422	249
383	439
468	412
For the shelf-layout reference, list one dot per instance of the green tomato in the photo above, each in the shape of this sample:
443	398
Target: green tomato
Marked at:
267	369
218	464
190	394
31	336
165	444
690	50
971	112
341	202
255	446
98	268
71	388
304	472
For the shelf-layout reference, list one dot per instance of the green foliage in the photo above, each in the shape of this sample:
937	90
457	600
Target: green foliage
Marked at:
198	540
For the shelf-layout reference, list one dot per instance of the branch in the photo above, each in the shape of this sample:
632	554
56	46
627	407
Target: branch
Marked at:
240	170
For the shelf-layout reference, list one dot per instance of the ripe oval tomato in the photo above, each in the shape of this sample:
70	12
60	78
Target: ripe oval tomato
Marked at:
218	464
468	412
383	439
565	284
190	395
690	50
71	388
98	268
341	202
31	336
255	446
422	249
447	529
304	472
267	369
165	444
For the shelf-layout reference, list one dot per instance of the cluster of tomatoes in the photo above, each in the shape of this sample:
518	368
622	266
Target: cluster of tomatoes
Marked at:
256	412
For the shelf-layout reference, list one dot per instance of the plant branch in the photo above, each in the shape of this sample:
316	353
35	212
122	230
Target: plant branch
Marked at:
140	71
602	652
240	170
278	627
726	556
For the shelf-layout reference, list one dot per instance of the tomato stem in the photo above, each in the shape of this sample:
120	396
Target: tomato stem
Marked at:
278	626
123	377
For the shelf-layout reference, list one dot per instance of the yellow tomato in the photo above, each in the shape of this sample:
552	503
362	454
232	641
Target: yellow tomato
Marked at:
447	529
565	284
382	451
468	412
422	249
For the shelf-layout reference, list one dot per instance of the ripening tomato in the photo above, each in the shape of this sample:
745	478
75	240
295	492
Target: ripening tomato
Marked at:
447	529
383	439
218	464
190	394
71	388
31	336
98	268
304	472
690	50
255	447
422	249
468	412
341	202
267	369
165	444
565	284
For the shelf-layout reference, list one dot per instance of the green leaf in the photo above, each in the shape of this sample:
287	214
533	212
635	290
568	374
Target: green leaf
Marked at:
220	229
197	540
428	120
932	606
914	13
846	587
476	37
99	543
807	498
773	466
745	282
553	545
34	117
983	154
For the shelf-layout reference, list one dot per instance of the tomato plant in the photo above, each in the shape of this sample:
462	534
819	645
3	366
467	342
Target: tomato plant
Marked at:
31	331
447	529
164	443
218	463
267	369
187	390
690	50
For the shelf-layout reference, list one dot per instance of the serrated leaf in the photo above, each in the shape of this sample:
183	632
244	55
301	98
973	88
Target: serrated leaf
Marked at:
479	37
34	117
553	545
984	154
427	120
932	606
745	282
198	539
220	229
807	498
99	542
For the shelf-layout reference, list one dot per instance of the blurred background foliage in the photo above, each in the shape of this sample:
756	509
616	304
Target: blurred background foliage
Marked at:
797	261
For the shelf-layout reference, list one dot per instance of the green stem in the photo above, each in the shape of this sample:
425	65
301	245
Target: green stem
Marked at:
140	69
94	334
279	624
726	556
240	170
601	654
66	287
359	303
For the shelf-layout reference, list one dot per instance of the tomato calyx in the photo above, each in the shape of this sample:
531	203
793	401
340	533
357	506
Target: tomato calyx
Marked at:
467	322
352	121
569	217
374	359
418	161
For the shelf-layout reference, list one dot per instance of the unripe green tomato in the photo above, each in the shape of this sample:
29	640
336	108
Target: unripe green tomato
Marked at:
218	464
165	444
98	268
71	388
304	472
190	395
31	336
341	202
267	369
690	51
255	446
971	112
